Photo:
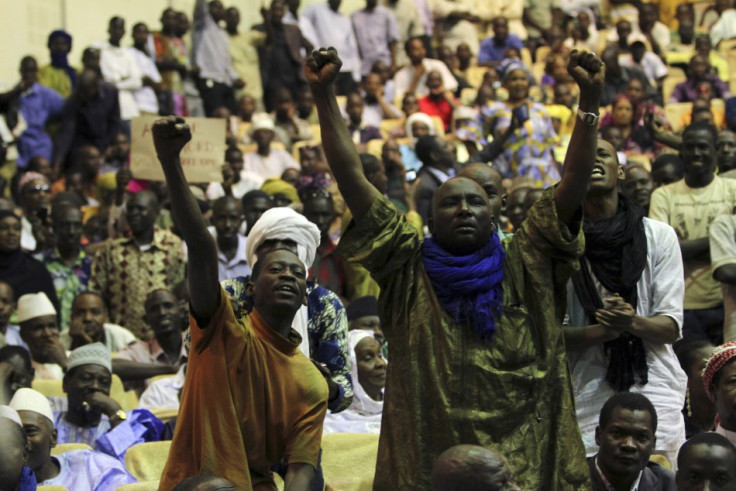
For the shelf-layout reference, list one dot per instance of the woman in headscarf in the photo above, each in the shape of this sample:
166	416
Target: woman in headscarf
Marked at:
18	268
34	192
636	137
368	371
718	381
417	125
528	151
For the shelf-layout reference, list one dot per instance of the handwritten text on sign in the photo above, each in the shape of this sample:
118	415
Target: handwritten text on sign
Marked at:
202	158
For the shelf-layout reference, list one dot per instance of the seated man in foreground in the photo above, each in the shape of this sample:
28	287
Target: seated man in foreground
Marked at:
474	326
234	363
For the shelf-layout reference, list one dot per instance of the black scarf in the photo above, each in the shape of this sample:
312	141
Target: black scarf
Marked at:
616	252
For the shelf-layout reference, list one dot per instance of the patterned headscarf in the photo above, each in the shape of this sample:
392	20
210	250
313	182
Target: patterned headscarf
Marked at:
722	355
30	176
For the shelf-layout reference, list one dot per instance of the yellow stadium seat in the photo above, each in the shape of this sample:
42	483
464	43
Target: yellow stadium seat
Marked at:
159	377
468	96
165	414
675	111
139	486
54	388
316	132
388	125
526	56
439	126
661	460
374	147
341	101
670	82
726	46
66	447
243	129
475	75
349	460
51	488
542	53
146	461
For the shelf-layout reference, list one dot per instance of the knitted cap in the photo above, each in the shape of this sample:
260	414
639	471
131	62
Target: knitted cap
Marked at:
90	354
718	359
30	400
32	305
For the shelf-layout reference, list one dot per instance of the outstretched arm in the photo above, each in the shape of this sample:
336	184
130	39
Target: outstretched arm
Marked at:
589	72
169	136
321	69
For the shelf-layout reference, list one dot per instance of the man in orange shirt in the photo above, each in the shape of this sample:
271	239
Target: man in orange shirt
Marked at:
247	374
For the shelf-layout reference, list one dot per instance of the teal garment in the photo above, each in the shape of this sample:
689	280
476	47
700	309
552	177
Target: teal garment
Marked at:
446	387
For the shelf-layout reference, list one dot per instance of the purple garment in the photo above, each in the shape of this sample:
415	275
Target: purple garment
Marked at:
38	105
490	50
367	133
141	426
87	470
687	91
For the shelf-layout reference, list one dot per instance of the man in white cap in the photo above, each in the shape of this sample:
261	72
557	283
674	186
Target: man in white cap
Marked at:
322	323
266	161
14	475
39	329
92	416
77	469
246	373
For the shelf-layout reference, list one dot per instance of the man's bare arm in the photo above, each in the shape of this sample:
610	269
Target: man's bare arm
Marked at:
695	248
321	69
588	72
169	137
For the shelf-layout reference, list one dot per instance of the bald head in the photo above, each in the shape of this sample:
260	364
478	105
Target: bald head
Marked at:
471	468
490	180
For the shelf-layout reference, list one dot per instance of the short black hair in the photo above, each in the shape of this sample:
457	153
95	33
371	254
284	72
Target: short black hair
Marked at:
709	438
412	39
669	159
370	163
425	146
627	400
254	195
223	200
702	126
258	266
11	351
94	294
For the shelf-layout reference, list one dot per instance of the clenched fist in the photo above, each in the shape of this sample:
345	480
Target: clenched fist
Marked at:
588	71
322	67
170	134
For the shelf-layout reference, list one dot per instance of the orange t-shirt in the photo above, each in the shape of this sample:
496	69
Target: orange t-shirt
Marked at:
250	399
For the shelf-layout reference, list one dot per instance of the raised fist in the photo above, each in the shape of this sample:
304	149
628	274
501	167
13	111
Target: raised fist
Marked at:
170	134
322	67
588	71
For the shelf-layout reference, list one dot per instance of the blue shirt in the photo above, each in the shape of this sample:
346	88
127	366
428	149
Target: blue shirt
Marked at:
490	50
87	470
38	105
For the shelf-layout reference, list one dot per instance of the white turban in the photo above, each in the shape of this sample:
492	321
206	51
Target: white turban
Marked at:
419	118
284	224
30	400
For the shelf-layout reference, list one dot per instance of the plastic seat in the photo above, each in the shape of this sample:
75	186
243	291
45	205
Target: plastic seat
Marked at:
146	461
349	460
67	447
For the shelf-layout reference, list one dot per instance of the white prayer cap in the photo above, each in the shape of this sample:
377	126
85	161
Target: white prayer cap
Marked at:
263	122
32	305
284	223
90	354
8	412
30	400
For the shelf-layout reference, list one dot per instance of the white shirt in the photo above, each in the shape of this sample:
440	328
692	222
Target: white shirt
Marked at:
403	78
722	253
272	166
651	64
12	337
237	266
120	69
335	29
164	393
248	182
145	97
660	291
116	338
724	28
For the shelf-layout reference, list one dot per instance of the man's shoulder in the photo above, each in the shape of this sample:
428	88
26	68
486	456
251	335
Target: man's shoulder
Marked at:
656	478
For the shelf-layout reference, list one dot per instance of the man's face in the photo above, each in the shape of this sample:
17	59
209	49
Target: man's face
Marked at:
91	160
278	10
227	219
725	394
320	211
638	186
232	18
409	104
10	230
606	170
263	138
354	108
515	207
698	153
726	151
29	70
22	374
500	30
141	213
490	181
35	195
707	467
59	45
217	10
162	313
140	35
82	382
416	51
284	107
648	15
116	30
462	220
91	59
68	226
626	443
234	159
635	90
390	152
304	103
698	66
121	146
372	84
41	438
563	95
371	365
463	52
182	24
247	105
281	284
434	83
168	20
90	312
40	334
254	208
584	20
7	304
623	29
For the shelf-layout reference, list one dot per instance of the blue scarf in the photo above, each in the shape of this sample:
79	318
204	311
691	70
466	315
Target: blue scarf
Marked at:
468	287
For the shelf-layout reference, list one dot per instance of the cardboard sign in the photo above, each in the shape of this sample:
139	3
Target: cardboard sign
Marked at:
202	158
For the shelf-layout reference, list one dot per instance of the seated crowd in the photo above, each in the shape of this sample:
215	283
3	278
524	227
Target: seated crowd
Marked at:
529	209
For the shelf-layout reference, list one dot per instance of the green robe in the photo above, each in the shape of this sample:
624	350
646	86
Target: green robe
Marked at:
446	387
